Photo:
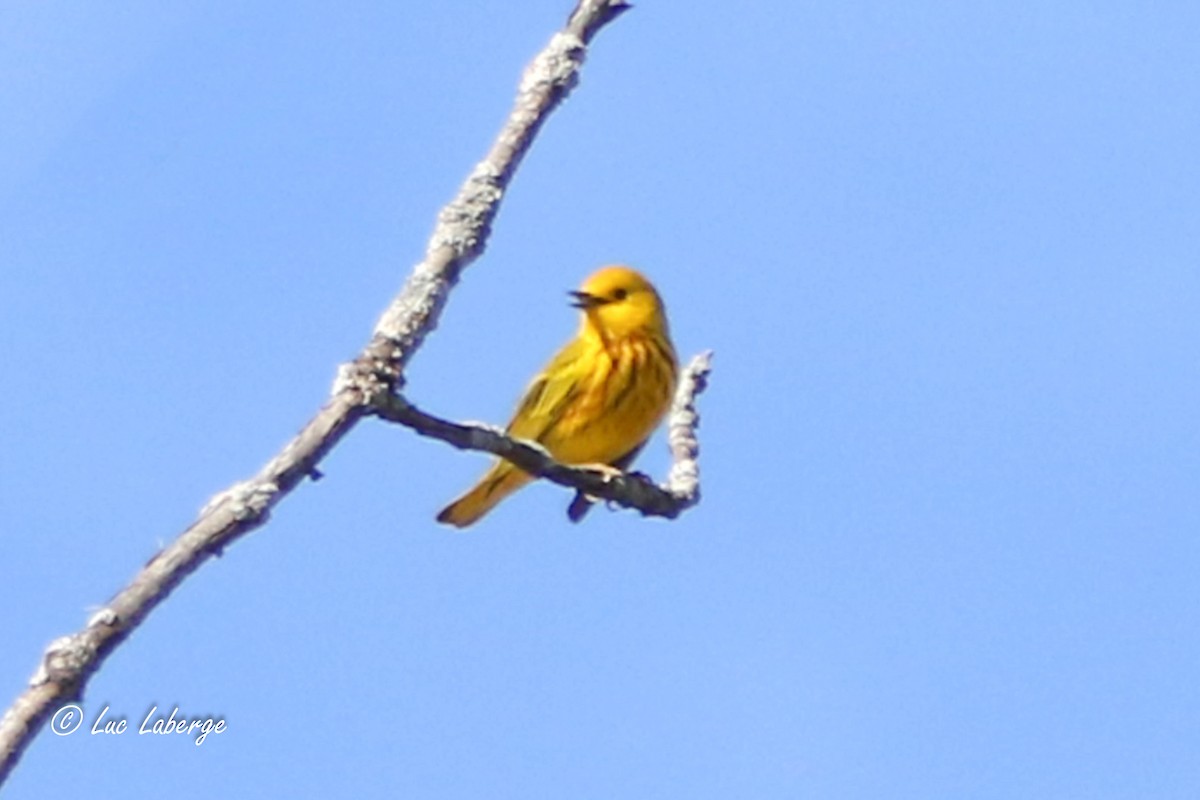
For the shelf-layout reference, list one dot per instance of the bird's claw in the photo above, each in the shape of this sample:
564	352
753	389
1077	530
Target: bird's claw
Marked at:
609	472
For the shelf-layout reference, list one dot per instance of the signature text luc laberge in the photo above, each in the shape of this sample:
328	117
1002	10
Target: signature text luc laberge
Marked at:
200	727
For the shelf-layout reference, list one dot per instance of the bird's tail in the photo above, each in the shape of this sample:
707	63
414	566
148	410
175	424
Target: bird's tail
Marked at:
499	482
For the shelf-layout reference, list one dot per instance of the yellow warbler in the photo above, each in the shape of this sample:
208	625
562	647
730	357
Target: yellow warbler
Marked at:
598	399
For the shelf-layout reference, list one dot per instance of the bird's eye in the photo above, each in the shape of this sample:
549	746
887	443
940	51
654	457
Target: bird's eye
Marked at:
619	294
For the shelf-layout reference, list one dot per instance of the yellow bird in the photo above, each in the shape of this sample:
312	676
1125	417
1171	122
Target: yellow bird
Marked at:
598	399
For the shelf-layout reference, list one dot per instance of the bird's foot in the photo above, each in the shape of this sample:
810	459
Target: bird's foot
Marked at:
610	472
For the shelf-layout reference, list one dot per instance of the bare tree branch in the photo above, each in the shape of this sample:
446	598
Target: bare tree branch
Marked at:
457	240
464	225
631	490
684	479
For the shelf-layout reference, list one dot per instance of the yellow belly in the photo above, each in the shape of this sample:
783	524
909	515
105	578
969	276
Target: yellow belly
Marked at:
624	398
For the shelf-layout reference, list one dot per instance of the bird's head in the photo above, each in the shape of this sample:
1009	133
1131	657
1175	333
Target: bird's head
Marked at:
617	301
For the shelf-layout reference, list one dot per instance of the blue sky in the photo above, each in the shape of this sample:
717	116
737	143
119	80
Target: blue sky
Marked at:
945	254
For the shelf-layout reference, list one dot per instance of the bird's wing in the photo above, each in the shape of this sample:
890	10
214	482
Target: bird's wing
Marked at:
549	394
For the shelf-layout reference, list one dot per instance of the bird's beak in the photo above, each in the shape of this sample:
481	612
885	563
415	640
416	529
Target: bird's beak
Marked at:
585	301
